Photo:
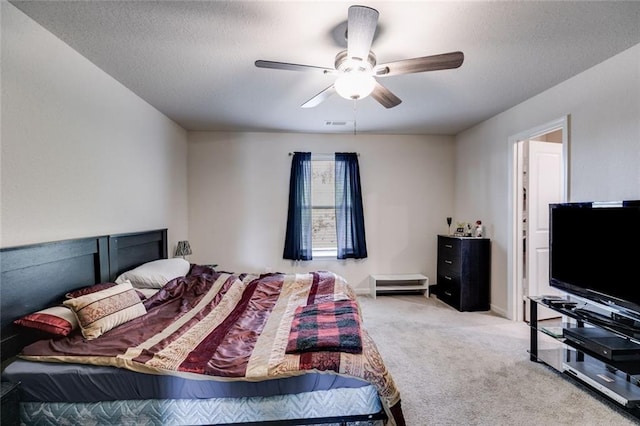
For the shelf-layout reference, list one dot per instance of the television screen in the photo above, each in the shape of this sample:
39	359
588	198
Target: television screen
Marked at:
595	252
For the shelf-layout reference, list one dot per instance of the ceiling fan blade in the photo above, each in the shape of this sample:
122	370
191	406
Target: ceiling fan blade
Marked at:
384	96
444	61
293	67
361	27
320	97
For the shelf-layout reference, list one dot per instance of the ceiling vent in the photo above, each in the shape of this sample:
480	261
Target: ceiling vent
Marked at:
339	123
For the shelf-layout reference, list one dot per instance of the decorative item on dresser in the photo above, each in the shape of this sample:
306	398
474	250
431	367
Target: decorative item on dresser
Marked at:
464	272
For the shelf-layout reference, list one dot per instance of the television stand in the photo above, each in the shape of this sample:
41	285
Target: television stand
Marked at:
591	348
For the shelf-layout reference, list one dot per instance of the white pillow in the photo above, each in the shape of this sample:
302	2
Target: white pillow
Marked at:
155	274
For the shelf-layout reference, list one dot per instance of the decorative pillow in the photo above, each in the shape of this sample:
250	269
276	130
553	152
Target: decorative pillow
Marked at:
104	310
58	320
97	287
156	274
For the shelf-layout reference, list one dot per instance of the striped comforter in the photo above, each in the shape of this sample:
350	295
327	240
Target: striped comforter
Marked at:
222	326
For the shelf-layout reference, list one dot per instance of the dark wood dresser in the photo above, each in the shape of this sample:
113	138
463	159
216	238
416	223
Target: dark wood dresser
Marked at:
464	266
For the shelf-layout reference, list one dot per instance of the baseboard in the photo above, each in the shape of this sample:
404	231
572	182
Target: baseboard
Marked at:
498	311
362	291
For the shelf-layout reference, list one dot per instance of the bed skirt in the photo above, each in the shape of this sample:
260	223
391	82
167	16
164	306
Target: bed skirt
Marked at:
310	405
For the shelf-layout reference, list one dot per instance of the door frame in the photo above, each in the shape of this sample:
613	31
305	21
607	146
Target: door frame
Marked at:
515	309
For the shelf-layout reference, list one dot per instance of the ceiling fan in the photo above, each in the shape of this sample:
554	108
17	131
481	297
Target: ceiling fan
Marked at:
356	67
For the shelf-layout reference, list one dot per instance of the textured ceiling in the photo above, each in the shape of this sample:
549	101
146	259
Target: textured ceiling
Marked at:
194	61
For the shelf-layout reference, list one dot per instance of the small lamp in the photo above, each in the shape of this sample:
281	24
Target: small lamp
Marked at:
183	249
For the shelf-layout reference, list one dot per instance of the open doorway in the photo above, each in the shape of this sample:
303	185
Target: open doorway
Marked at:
539	176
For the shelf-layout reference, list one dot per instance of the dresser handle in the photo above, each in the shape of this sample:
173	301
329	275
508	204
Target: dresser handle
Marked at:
448	246
446	277
448	261
447	293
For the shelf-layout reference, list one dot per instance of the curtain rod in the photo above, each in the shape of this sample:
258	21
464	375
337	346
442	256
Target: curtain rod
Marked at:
323	153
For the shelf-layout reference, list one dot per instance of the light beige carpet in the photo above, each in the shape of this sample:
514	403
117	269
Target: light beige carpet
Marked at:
473	368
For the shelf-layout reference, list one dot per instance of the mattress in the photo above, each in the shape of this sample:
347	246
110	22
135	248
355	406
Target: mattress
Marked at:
59	382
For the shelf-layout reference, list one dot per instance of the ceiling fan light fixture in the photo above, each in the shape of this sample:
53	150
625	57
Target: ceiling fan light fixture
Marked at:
356	66
355	85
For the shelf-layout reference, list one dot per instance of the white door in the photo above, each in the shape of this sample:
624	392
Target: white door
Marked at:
544	186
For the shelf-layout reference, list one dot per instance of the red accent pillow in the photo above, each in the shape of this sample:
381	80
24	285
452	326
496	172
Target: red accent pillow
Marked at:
58	320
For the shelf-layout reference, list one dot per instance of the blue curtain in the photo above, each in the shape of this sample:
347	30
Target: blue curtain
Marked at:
297	245
349	213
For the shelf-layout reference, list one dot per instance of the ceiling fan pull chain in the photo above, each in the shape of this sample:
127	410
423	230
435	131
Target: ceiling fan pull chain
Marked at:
355	119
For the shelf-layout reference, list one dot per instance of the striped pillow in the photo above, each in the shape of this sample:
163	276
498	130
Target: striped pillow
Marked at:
97	287
57	320
101	311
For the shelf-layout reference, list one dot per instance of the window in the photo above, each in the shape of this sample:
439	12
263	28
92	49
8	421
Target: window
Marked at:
323	207
325	215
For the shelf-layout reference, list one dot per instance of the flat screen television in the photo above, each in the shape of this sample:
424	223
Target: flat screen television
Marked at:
594	253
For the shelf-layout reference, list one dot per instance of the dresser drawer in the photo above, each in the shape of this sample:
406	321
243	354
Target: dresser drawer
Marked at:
449	292
449	264
449	248
450	280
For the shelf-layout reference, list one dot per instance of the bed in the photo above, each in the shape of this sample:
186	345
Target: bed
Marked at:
242	343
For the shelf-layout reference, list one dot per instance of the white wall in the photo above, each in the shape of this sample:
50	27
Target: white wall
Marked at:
239	186
604	160
81	154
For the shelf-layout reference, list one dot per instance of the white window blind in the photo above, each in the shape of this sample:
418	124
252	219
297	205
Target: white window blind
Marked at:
323	220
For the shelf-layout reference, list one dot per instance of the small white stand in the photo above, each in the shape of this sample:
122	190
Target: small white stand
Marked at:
398	282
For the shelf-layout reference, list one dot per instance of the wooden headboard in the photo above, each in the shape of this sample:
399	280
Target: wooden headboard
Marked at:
37	276
126	251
